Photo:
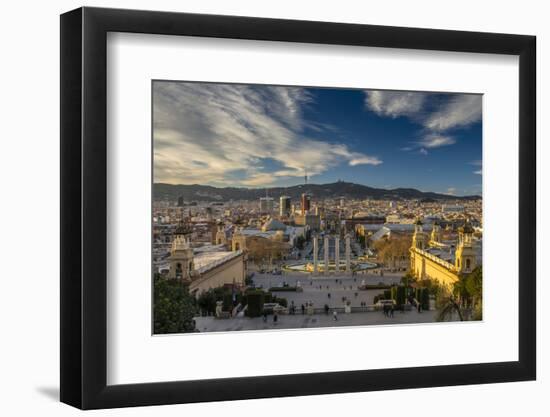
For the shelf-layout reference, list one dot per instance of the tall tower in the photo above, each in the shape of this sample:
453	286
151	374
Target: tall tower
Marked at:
284	206
306	203
419	237
435	236
181	254
465	257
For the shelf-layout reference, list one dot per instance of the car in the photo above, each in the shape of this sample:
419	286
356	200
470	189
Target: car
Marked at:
270	307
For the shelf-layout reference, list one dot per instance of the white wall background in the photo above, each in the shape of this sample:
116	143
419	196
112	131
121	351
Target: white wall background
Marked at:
29	210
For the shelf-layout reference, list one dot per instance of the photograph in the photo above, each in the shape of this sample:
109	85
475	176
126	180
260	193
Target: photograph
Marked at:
290	207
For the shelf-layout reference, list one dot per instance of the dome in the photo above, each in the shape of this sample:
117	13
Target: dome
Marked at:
273	224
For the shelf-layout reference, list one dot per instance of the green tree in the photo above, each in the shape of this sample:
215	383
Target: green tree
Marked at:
474	286
448	307
465	299
174	308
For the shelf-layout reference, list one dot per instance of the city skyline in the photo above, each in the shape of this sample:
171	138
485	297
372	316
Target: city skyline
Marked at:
229	135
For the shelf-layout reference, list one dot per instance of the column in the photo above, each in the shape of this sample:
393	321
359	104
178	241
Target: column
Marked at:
337	254
348	255
315	255
326	254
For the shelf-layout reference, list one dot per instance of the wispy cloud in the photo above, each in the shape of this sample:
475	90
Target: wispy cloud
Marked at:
223	134
477	163
434	140
436	117
461	110
395	103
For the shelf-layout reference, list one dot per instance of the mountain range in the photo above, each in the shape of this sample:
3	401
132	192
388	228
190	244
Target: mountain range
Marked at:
195	192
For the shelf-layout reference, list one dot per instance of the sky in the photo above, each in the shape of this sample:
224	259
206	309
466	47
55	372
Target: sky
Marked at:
233	135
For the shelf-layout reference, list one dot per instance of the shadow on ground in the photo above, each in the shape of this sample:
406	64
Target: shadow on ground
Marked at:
50	392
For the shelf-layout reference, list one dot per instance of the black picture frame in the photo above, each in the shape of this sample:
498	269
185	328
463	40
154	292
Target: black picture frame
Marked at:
84	207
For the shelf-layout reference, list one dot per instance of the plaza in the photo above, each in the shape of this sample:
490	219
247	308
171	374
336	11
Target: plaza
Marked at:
316	290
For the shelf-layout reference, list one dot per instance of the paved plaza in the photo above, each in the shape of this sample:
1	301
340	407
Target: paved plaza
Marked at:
316	290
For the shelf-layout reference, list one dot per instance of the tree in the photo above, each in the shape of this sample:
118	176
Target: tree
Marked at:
173	308
474	286
392	252
465	299
448	307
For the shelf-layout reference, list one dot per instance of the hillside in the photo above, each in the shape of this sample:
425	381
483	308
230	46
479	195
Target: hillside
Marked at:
197	192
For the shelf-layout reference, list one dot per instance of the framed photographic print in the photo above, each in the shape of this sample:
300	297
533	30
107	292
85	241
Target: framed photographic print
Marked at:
258	208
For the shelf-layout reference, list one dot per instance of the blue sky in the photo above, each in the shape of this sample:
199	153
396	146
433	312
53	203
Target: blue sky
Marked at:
266	136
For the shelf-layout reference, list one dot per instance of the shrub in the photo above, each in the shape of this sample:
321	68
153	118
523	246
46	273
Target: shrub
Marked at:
174	307
255	302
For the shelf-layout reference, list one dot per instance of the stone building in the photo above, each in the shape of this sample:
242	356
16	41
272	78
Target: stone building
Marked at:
205	267
430	259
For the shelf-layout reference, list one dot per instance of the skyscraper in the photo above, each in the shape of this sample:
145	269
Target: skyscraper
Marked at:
306	203
284	206
266	205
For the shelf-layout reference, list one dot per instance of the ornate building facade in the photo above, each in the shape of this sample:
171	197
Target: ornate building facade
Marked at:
205	267
429	259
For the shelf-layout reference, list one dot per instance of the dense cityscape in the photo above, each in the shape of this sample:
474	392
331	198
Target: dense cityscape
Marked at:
263	264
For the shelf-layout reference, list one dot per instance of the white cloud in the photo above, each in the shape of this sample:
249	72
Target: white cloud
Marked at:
394	103
226	134
364	160
423	151
461	110
436	118
433	140
478	172
451	191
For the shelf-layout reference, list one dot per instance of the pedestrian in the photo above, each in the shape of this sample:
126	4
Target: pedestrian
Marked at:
328	295
275	317
303	309
335	315
326	309
265	316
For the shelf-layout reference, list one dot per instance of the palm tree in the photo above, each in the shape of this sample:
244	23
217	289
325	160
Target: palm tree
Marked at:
449	306
465	299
